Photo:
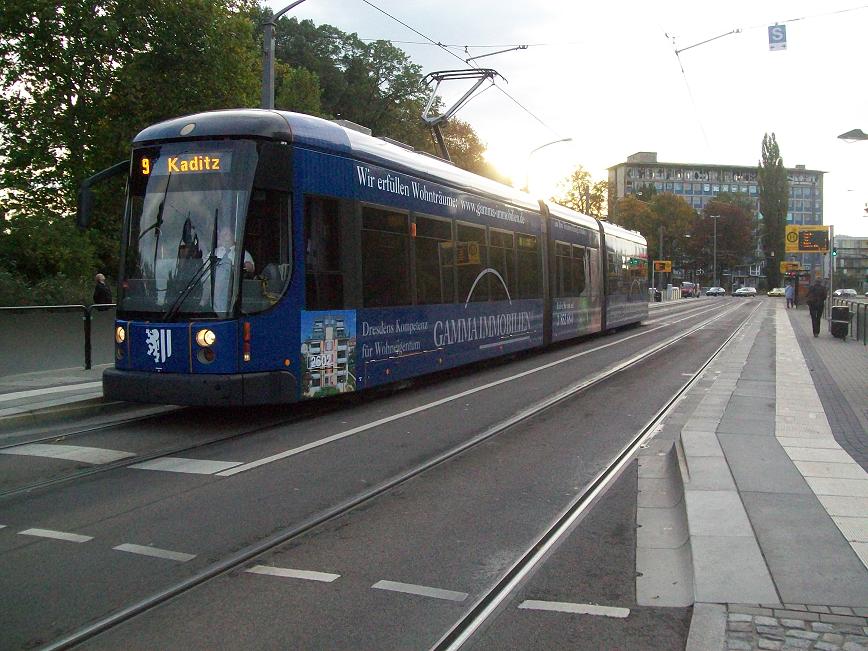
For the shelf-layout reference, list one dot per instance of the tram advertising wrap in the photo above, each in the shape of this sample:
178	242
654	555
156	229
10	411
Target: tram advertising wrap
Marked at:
269	257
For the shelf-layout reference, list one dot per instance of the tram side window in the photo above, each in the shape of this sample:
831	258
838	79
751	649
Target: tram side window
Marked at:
385	258
594	273
502	254
614	273
578	270
323	279
268	240
470	258
563	277
435	261
529	276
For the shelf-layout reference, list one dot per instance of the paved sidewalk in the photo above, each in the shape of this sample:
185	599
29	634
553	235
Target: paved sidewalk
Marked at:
49	395
840	373
769	539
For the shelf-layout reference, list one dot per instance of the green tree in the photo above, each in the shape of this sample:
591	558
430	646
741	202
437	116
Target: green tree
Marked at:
665	212
78	80
735	233
299	91
774	192
581	193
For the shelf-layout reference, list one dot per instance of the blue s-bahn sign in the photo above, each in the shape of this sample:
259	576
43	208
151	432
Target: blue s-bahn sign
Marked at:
777	37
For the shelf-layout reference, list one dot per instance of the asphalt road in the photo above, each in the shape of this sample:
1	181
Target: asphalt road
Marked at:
395	572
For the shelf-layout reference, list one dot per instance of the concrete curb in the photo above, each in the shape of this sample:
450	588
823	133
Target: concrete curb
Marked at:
35	416
707	628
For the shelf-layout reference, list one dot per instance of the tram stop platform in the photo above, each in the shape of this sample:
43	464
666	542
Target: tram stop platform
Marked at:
30	399
753	496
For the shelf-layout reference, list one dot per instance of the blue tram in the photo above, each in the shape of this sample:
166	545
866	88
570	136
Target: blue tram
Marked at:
270	257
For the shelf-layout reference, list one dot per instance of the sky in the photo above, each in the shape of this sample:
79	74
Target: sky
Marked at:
606	76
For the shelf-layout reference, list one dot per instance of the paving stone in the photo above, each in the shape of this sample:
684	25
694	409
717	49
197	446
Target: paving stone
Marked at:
795	614
798	643
826	646
804	635
822	627
795	607
841	610
841	619
741	627
793	623
746	609
853	646
739	617
766	621
773	645
835	638
771	632
818	609
738	645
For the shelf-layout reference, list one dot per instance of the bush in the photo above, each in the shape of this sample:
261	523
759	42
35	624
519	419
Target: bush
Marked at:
57	290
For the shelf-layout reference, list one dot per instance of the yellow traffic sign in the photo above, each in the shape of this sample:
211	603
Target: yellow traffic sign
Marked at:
806	239
663	266
790	266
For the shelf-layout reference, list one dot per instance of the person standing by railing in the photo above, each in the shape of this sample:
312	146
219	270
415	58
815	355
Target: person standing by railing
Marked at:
102	295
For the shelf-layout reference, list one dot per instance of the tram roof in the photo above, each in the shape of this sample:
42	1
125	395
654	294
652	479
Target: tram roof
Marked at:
325	135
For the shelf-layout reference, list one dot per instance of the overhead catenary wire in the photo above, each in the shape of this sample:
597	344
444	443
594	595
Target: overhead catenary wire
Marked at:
466	62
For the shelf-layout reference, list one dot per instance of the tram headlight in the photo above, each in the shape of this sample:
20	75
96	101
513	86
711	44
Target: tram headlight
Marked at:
120	334
206	338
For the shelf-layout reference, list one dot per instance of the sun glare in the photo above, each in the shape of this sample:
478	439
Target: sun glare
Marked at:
541	171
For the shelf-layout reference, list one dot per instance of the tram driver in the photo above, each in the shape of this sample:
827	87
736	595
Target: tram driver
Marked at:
223	267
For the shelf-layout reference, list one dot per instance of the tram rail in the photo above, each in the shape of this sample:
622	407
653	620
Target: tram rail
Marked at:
486	605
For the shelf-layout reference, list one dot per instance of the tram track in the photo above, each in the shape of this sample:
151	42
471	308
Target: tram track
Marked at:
270	543
66	437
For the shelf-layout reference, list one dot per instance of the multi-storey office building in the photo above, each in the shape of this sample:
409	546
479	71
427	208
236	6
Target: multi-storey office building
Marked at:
851	263
698	184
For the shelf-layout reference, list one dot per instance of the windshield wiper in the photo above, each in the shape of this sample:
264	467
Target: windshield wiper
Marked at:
172	312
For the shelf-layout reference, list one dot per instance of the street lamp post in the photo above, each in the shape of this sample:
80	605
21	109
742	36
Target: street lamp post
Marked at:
268	56
853	135
532	152
714	257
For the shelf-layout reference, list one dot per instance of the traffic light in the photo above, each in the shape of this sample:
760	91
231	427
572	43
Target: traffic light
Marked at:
834	251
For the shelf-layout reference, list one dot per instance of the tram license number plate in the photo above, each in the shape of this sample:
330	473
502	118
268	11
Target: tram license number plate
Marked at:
322	360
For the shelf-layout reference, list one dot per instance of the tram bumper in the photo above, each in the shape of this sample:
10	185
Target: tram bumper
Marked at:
217	390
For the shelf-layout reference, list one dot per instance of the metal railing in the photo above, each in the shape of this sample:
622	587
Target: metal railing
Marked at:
42	337
858	318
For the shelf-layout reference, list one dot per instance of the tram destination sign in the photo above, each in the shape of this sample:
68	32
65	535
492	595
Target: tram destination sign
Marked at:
187	163
806	239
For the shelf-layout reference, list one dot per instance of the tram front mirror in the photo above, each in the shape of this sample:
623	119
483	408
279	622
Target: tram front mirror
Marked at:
85	207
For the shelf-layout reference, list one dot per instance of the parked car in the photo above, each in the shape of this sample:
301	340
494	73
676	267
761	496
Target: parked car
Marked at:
845	292
715	291
745	291
777	291
689	290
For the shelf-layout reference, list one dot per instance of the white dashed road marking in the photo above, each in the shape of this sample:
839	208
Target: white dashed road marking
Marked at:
288	573
69	452
420	590
192	466
580	609
87	386
156	552
56	535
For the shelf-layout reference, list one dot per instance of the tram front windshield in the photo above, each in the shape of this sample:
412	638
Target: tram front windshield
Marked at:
183	252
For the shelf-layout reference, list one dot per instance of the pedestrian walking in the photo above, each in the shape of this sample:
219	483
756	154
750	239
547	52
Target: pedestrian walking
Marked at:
102	295
816	300
790	293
